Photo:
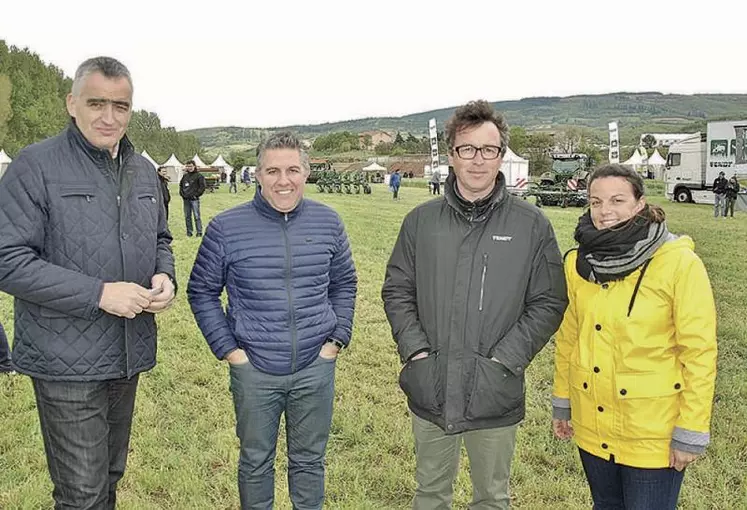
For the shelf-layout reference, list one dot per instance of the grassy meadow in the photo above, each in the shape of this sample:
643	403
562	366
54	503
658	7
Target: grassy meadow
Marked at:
184	451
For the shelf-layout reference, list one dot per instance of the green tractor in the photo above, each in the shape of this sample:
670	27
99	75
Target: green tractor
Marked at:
565	184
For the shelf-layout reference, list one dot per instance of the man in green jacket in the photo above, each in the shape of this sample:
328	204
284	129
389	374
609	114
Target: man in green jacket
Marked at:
474	289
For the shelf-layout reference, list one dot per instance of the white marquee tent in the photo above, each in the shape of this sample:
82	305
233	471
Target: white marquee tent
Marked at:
198	162
656	164
374	167
174	169
4	162
638	160
515	169
223	165
150	160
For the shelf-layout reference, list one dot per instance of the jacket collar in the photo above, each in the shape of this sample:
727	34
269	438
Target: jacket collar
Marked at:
100	156
475	211
264	207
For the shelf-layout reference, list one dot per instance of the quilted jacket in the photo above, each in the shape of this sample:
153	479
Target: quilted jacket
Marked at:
69	222
290	280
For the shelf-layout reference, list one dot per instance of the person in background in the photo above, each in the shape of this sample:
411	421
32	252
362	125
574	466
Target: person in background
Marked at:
635	356
719	191
394	182
163	177
191	188
732	190
232	185
436	182
5	365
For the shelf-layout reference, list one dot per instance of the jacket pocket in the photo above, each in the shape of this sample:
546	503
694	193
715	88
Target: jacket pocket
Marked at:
79	215
421	381
54	321
495	390
147	208
649	404
583	406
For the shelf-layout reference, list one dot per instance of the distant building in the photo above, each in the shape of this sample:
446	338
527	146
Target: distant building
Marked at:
666	139
377	137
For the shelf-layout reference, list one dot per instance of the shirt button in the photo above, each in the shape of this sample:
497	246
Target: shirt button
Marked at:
124	235
596	370
677	386
605	285
623	391
598	327
586	385
450	427
600	409
604	445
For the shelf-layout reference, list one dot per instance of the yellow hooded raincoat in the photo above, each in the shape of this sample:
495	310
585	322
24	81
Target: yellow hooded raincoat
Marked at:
638	384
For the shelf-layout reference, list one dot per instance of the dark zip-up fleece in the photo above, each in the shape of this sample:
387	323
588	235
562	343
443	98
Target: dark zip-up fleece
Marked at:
468	284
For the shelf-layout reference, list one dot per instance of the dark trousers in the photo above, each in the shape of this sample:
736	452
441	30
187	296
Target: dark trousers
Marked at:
729	209
232	186
166	206
86	431
4	352
614	486
396	192
192	208
306	398
436	188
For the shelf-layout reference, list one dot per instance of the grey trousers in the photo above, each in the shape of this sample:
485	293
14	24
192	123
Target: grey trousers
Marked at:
437	457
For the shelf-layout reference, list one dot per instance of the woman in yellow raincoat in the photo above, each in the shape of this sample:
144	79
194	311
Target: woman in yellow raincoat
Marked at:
635	356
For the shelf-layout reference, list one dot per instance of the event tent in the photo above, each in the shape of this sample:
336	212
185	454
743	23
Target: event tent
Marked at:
174	169
4	162
150	160
515	169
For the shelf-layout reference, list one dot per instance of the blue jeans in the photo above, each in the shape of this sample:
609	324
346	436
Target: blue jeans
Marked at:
306	398
86	432
614	486
4	352
719	205
192	207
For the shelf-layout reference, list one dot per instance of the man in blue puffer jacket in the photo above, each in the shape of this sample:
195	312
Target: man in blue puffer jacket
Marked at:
286	265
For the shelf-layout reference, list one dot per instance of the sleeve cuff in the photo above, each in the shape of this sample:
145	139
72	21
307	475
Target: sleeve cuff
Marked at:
561	408
690	441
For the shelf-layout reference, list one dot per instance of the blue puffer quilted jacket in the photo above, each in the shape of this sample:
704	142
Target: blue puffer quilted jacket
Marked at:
69	222
290	280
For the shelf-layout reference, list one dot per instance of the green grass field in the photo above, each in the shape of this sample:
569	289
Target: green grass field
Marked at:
184	451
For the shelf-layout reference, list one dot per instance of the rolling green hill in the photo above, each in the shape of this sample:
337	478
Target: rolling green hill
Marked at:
636	112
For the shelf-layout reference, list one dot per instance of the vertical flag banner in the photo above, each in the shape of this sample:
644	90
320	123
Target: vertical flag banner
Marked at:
433	134
614	143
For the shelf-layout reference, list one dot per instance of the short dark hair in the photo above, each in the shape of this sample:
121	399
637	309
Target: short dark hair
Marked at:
283	140
652	213
190	162
472	115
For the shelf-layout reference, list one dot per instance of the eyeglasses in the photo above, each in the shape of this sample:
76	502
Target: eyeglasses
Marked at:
488	152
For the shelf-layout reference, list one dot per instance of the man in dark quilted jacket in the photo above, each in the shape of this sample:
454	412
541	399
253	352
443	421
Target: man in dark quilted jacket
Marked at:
286	266
86	252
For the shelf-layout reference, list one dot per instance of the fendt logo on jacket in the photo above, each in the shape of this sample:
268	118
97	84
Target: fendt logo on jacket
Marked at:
502	238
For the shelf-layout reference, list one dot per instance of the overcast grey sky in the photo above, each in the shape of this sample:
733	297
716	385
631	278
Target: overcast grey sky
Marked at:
277	63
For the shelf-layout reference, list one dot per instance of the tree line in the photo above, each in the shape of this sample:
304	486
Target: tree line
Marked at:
32	108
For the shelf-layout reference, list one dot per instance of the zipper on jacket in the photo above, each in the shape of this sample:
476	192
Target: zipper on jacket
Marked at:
482	281
288	283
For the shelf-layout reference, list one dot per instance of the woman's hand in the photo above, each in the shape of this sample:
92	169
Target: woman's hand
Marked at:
562	428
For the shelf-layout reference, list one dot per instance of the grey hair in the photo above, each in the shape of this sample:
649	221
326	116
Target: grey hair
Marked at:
108	66
283	140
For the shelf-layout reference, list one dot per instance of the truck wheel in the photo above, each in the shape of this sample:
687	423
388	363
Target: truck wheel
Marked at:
682	196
